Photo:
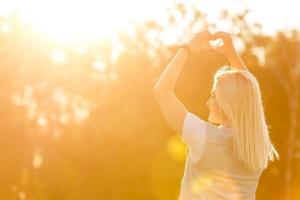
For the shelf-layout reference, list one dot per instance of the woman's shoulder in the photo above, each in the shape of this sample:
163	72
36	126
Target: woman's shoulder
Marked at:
218	134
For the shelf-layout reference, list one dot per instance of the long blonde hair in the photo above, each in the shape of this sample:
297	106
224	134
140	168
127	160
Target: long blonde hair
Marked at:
239	98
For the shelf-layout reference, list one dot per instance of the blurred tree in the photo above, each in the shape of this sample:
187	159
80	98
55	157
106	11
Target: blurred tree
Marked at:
81	122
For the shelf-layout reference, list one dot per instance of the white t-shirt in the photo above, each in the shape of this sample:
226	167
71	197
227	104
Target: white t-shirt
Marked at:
211	171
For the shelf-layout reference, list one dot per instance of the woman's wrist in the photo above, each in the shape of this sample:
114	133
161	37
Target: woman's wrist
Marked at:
235	60
185	47
231	52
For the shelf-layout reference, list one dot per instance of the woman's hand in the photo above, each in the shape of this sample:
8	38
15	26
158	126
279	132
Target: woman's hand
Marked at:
227	47
199	42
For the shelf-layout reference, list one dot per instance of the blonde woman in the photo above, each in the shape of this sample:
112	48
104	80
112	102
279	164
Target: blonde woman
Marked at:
228	153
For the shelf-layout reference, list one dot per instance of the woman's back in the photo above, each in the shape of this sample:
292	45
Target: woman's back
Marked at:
212	171
222	163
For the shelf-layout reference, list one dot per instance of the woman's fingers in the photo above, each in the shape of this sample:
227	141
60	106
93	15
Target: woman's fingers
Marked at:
217	35
203	35
220	49
206	41
209	36
200	42
221	34
227	41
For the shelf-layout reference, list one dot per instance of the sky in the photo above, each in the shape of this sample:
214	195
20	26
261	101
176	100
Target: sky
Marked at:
273	15
108	15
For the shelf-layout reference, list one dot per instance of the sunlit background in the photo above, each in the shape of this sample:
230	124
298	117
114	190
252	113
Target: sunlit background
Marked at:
78	119
89	20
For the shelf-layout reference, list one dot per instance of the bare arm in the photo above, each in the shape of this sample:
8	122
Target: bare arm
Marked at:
235	60
167	80
229	51
173	110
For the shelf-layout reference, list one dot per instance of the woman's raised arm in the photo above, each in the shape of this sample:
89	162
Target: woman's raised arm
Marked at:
228	49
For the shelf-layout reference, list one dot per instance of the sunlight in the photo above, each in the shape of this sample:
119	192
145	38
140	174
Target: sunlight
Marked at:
42	121
58	56
176	148
98	65
80	21
5	28
85	21
37	159
22	195
69	21
200	185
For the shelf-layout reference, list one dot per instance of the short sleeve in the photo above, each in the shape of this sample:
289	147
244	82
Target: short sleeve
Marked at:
194	135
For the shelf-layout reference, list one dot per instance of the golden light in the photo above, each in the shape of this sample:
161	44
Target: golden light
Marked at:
199	185
22	195
86	21
113	76
64	118
42	121
37	159
98	65
176	148
69	21
82	50
58	56
81	21
5	28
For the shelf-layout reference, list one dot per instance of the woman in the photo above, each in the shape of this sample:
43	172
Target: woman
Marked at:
225	161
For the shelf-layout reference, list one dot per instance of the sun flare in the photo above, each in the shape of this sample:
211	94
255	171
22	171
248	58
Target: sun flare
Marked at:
69	21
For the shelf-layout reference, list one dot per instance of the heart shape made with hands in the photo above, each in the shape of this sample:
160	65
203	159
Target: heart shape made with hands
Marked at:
216	43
